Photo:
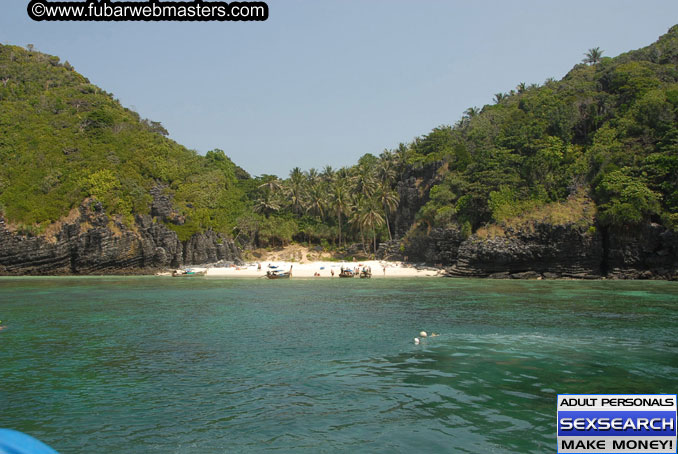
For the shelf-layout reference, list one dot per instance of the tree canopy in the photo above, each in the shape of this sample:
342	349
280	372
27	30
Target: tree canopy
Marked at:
607	131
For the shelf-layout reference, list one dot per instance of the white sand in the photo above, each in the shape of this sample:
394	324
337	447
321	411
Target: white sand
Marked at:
393	269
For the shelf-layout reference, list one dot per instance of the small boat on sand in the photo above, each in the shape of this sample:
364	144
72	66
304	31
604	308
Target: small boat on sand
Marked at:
366	273
187	273
346	272
279	274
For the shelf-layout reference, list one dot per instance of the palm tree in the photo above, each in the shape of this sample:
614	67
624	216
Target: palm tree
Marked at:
387	155
312	176
269	201
386	196
317	201
340	201
388	199
593	56
295	190
386	171
522	87
328	174
499	97
266	204
343	174
356	216
471	112
369	218
363	179
272	185
400	157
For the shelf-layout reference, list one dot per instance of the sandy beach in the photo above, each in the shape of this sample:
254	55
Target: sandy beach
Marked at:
380	269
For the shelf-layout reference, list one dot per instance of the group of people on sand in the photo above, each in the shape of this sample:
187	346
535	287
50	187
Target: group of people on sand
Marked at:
356	269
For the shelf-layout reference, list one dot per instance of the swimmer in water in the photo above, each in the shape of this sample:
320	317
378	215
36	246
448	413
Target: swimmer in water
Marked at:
2	327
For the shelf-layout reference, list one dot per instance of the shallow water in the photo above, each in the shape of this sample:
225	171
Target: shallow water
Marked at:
151	364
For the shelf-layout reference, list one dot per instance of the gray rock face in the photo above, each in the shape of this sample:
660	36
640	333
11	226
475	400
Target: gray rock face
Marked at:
162	203
413	192
355	249
548	251
648	252
389	250
209	247
438	247
561	251
162	207
94	243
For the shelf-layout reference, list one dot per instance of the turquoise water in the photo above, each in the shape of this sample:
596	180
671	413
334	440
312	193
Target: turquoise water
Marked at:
151	364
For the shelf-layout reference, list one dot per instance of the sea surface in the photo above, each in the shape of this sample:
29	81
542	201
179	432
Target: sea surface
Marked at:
200	365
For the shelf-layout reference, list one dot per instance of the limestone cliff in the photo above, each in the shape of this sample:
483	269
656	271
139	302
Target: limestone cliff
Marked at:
90	242
551	251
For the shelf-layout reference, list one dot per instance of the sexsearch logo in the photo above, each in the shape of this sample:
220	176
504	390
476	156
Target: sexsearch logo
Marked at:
617	423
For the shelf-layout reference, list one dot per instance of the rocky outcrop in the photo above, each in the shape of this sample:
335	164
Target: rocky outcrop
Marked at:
437	247
162	207
162	202
646	252
209	247
91	242
548	251
390	250
413	193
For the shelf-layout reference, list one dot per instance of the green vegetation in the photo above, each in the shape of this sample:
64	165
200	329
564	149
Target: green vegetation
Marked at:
327	208
578	210
599	146
62	139
608	128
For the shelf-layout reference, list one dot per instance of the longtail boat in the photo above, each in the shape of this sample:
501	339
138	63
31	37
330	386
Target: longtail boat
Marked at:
188	273
346	272
279	274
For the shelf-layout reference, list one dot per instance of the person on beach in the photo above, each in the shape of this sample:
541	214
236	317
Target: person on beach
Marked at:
258	266
332	272
384	267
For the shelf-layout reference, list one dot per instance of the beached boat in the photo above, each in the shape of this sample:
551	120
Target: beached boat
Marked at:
366	273
188	273
279	274
346	272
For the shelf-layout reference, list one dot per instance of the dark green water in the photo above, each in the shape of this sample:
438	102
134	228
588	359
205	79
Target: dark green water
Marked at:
139	365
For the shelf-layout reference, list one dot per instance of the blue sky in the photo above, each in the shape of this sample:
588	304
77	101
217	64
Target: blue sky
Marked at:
324	82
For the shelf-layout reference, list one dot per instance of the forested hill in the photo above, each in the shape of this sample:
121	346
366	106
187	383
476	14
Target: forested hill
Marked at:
596	150
608	130
63	139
